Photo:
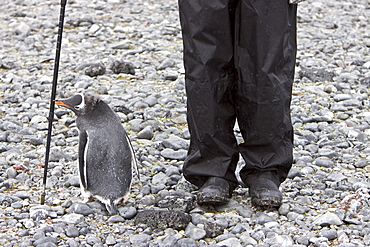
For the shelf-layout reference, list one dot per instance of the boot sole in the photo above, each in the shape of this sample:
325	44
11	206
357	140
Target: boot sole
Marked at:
266	202
212	200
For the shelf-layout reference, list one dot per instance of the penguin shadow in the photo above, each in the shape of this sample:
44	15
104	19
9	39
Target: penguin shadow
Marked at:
106	158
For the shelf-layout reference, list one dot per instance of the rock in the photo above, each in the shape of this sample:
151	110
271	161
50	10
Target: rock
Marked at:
110	240
248	240
93	240
127	212
22	29
213	229
174	155
186	242
324	162
138	239
166	63
46	241
72	232
146	133
116	219
262	218
327	220
175	142
122	67
163	219
361	163
39	212
80	208
330	234
72	218
11	172
176	202
230	242
95	69
194	232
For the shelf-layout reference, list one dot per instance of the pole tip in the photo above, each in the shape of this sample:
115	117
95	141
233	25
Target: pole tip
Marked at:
42	199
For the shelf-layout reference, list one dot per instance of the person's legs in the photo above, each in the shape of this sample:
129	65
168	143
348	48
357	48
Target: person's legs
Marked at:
265	60
208	59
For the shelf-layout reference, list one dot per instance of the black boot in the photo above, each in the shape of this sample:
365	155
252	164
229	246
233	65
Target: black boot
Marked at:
264	189
216	191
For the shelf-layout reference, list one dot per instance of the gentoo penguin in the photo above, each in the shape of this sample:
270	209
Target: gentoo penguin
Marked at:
105	153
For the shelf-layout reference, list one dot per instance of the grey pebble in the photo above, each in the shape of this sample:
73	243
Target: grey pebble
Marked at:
11	172
72	232
140	239
175	142
110	240
22	29
166	63
186	242
232	242
46	241
328	219
80	208
330	234
92	239
194	232
127	212
324	162
146	133
169	153
116	219
262	218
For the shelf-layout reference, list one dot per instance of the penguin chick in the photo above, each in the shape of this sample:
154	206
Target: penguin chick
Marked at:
105	153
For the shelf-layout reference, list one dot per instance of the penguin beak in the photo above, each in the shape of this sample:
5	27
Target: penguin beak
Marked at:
61	103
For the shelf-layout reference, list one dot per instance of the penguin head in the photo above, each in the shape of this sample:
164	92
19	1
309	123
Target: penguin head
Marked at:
80	104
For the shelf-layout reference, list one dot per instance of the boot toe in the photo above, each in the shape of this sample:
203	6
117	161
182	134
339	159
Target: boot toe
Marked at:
265	197
216	191
265	192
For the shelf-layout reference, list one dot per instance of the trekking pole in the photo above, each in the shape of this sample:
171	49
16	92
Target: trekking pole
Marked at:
53	93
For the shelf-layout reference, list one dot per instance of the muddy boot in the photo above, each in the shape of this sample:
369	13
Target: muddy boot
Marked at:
216	191
264	189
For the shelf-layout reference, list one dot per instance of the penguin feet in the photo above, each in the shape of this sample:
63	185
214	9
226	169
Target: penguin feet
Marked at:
89	199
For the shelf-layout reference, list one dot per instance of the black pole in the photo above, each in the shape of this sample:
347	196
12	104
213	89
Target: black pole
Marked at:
53	94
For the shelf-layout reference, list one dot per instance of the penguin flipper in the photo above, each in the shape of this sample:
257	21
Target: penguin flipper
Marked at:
81	158
133	157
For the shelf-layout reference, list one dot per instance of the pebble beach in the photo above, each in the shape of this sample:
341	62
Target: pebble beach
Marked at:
130	53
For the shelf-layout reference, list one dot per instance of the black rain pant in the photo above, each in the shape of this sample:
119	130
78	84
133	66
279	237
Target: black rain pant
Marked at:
239	58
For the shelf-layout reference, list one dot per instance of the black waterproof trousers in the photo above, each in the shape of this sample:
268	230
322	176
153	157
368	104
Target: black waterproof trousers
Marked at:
239	58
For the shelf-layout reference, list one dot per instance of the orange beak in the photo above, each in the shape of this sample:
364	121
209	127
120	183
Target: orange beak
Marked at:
60	103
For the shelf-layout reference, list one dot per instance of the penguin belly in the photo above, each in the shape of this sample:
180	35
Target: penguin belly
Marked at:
108	169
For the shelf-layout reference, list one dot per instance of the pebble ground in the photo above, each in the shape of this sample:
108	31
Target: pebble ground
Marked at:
130	52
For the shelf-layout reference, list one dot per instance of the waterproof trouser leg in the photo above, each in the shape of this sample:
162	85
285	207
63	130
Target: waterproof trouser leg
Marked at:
239	60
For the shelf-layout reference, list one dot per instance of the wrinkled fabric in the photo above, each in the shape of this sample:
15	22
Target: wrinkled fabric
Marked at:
239	58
